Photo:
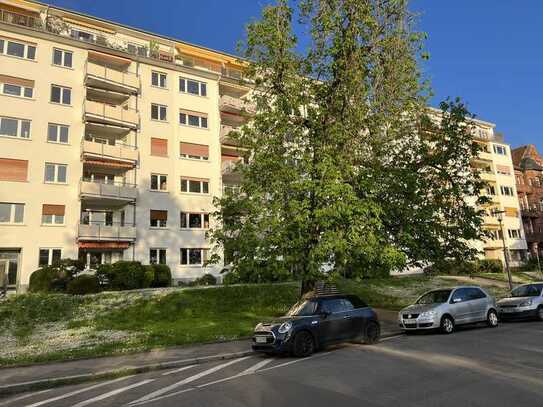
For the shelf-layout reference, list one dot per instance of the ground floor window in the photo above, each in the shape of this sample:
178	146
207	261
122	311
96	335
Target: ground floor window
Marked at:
94	257
48	256
157	256
193	257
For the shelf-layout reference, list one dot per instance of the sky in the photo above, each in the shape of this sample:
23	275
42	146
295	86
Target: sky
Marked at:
487	52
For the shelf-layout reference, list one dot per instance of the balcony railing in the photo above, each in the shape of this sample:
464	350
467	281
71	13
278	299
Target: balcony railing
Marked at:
107	231
232	104
119	115
119	151
108	74
114	190
20	19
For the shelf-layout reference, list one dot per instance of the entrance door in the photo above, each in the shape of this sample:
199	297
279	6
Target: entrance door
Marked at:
9	265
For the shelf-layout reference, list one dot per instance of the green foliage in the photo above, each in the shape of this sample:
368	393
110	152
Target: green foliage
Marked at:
207	279
462	267
489	266
345	170
54	278
83	284
123	275
158	275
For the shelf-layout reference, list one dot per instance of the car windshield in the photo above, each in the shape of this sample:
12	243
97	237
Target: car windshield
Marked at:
526	291
303	308
435	297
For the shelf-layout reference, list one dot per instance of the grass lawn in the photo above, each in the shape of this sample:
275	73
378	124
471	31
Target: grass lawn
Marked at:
517	277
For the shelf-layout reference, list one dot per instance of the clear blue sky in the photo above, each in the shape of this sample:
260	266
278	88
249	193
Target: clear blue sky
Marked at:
488	52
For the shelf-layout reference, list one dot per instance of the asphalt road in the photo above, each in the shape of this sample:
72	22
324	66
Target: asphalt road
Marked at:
472	367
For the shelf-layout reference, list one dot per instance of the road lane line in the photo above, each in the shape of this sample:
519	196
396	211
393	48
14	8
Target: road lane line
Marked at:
254	368
24	397
189	379
112	393
177	370
73	393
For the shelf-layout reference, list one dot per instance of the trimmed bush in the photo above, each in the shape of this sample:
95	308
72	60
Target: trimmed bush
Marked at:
130	275
489	266
84	284
206	279
157	275
54	278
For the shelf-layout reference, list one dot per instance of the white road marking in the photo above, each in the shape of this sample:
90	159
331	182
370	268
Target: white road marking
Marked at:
254	368
112	393
25	396
73	393
160	392
177	370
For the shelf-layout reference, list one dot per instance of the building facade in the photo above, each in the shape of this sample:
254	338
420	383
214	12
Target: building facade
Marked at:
529	178
502	213
113	142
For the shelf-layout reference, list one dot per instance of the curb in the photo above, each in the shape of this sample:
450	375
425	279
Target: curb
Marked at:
110	374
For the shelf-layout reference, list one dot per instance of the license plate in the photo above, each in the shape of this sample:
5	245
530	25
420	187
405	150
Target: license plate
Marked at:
261	339
409	321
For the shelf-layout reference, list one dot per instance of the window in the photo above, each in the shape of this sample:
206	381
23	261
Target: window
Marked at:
158	112
52	214
136	49
194	151
62	58
159	182
55	173
49	257
475	294
57	133
157	256
491	190
158	79
17	49
61	95
503	169
14	86
507	191
514	233
13	170
460	295
195	119
11	213
193	257
499	149
333	305
192	87
159	147
81	35
11	127
194	220
158	219
195	185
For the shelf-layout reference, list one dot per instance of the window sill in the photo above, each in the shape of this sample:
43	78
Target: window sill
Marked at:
56	183
32	99
60	104
160	121
63	67
53	225
58	142
194	159
159	87
191	265
15	137
158	228
12	224
194	229
195	194
156	190
159	156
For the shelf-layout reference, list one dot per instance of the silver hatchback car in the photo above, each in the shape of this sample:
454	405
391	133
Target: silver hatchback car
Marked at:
446	308
525	301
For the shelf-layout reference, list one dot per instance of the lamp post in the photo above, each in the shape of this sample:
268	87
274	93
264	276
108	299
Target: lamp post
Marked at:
499	214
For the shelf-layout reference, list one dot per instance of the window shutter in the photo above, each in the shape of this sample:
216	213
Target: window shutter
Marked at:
159	215
196	179
13	170
504	169
199	150
159	147
193	113
13	80
53	209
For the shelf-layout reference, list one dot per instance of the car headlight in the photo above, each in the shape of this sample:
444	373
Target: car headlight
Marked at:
285	327
526	303
258	326
428	314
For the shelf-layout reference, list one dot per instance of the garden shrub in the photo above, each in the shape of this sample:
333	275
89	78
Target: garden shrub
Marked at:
56	277
122	275
83	284
489	266
206	279
451	267
157	275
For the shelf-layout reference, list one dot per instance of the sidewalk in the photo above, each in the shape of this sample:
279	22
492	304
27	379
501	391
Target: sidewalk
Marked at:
18	379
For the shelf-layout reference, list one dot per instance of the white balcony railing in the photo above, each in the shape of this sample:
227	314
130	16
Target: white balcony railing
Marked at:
112	113
127	192
107	73
102	231
120	151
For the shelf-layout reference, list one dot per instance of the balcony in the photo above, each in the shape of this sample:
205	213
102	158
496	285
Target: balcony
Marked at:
232	104
29	21
107	194
107	232
104	76
110	114
490	221
223	135
487	176
119	151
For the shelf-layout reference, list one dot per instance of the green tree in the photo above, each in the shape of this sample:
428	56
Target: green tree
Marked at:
336	149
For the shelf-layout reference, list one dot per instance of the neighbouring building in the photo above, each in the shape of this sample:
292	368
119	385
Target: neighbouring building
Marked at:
495	166
529	178
113	142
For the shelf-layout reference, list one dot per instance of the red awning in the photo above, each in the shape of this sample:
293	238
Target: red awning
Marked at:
103	245
109	164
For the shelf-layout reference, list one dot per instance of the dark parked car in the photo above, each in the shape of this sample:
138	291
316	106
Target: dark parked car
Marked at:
316	322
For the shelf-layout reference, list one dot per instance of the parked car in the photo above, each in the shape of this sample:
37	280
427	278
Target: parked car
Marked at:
316	322
525	301
446	308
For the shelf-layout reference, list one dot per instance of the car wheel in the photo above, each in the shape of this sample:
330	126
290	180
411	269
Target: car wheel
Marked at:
372	333
492	318
303	344
540	313
447	325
